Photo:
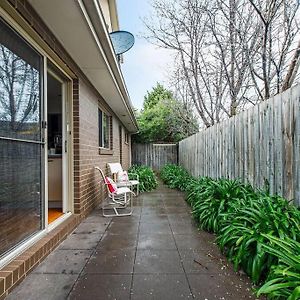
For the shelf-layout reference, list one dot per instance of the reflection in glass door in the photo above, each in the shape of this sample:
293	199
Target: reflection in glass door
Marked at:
21	140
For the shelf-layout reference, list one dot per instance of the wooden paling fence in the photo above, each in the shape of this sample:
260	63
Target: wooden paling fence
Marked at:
260	146
154	155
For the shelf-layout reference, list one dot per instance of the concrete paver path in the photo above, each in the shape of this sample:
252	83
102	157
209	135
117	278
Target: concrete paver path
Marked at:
158	253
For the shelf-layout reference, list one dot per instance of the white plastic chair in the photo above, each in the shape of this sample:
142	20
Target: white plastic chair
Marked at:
121	199
115	168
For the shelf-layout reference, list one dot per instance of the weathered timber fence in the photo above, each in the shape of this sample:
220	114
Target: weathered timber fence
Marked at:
260	146
154	155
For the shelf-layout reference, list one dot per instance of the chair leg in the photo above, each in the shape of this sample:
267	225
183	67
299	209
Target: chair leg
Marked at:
116	207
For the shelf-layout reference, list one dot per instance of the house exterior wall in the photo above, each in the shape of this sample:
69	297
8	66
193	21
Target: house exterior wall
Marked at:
86	101
126	152
88	191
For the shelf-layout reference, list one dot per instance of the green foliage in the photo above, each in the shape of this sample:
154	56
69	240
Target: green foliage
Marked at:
147	178
157	95
164	118
284	278
176	177
258	232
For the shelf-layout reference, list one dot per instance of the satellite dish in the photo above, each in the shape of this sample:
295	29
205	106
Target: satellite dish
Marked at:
122	41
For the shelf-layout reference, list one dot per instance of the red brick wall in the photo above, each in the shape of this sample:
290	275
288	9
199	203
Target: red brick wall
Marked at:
89	191
126	153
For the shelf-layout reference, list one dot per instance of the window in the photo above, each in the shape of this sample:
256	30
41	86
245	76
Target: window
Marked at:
126	138
104	129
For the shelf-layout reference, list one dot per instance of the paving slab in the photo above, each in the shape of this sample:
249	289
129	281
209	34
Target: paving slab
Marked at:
80	241
99	286
111	262
153	211
96	217
200	262
130	228
44	286
160	286
161	227
156	241
64	262
117	242
97	228
197	241
157	261
221	287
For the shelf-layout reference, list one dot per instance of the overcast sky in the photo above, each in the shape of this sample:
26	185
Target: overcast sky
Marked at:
144	64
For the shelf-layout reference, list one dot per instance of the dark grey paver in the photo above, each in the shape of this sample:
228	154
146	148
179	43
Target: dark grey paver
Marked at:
158	227
176	210
180	217
153	211
97	218
176	203
88	228
183	228
117	242
157	261
153	203
153	218
156	241
64	262
99	286
44	286
123	229
160	286
198	261
111	261
197	241
215	286
127	219
81	241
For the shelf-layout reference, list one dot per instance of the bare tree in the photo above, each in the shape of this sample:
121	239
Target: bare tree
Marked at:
293	69
277	20
229	54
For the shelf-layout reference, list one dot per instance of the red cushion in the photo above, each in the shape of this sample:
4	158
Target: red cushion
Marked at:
112	187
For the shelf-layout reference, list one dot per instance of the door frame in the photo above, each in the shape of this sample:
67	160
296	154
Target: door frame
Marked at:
66	93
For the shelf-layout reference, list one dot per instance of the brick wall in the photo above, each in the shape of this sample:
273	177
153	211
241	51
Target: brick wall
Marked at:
89	190
126	153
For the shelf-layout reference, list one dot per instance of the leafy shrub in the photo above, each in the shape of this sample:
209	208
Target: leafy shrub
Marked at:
147	178
258	232
284	277
175	177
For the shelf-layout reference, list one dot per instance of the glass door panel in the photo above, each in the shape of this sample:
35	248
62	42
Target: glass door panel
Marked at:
21	139
20	192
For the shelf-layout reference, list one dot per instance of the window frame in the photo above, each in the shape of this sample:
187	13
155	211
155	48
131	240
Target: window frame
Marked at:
102	144
126	137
